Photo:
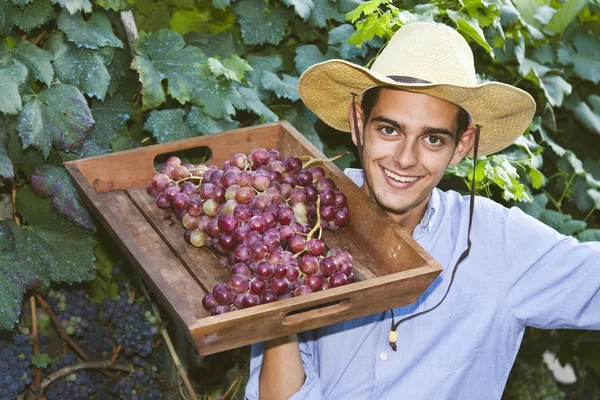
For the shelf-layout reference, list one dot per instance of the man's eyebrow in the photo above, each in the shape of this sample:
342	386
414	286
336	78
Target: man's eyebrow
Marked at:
402	128
440	131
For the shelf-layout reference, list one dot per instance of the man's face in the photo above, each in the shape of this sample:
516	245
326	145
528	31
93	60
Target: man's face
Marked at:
408	141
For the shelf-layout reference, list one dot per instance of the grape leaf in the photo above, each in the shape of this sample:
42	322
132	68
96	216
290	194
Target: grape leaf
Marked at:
10	78
340	36
258	25
584	113
584	58
253	103
218	98
286	87
32	15
6	165
21	3
115	5
544	14
206	125
232	68
168	125
55	182
564	16
41	360
554	86
120	73
15	276
323	11
35	59
77	66
366	8
259	64
310	54
297	116
122	143
302	7
59	115
56	249
93	33
5	54
184	21
74	5
469	27
161	55
589	235
221	45
111	118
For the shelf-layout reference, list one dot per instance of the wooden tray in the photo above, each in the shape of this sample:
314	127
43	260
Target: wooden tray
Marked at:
391	269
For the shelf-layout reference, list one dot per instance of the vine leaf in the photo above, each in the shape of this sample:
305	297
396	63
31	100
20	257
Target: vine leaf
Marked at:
168	125
260	25
55	182
584	58
93	33
340	36
21	3
298	117
253	103
164	55
16	276
286	87
6	165
206	125
232	68
323	11
589	235
115	5
554	86
302	7
55	249
469	27
222	45
41	360
111	118
37	60
59	115
74	5
218	98
260	64
10	79
31	16
310	54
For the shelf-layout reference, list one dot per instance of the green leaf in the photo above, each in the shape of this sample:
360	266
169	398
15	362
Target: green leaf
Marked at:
537	207
589	235
588	117
10	79
41	360
286	87
122	78
59	115
221	4
122	143
367	8
232	68
35	59
564	16
168	125
260	25
340	36
260	64
77	66
16	275
21	3
253	103
6	165
55	182
218	98
469	27
554	86
156	18
93	33
308	55
544	14
527	10
537	178
196	20
302	7
222	45
206	125
111	118
74	5
32	15
164	55
56	249
325	10
572	226
298	117
115	5
584	58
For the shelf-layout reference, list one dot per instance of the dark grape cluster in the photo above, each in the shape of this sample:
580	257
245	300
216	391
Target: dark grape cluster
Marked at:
74	310
264	214
15	370
135	326
76	386
139	385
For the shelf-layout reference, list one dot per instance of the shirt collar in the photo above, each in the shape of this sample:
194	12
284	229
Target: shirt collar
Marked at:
430	215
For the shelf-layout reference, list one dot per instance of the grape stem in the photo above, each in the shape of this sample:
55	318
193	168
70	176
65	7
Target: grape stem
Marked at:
169	344
189	178
16	217
235	385
116	353
311	160
36	343
314	229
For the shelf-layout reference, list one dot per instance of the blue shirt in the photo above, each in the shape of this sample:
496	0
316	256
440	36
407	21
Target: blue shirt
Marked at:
519	273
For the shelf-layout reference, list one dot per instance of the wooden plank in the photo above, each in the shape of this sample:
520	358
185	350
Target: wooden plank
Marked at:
133	168
202	263
224	332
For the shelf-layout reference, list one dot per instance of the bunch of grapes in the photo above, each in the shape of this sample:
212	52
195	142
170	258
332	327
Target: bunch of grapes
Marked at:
74	310
135	326
15	371
141	384
263	213
78	385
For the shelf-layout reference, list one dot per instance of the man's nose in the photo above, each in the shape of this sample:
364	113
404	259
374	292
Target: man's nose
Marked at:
406	154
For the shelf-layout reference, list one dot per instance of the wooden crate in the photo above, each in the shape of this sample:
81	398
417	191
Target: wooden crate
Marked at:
391	269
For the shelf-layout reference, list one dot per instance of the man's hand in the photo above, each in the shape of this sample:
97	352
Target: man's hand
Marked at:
282	373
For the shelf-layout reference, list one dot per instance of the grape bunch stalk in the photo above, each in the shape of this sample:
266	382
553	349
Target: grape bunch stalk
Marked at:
267	215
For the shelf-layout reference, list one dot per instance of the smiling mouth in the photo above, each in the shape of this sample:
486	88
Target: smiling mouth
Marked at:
398	178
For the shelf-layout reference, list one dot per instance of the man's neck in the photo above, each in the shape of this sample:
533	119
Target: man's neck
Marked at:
409	221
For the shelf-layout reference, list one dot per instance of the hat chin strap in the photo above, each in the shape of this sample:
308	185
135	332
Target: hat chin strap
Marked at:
392	334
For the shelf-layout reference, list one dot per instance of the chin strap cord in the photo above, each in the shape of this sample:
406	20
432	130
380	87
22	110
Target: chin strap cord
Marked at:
392	334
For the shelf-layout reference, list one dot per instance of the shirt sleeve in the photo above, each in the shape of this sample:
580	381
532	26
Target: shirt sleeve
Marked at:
553	281
310	390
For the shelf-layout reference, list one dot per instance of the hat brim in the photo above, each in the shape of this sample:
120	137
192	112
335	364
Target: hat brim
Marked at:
503	111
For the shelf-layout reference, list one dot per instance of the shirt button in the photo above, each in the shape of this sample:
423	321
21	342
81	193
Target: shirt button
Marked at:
383	355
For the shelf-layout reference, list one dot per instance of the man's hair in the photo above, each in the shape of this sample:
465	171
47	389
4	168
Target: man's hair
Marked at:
371	96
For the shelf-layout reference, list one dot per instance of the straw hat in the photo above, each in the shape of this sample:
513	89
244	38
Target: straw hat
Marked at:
431	52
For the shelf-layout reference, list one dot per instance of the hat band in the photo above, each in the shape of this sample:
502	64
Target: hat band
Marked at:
406	79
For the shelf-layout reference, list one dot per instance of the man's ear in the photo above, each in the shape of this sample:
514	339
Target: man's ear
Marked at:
359	117
463	147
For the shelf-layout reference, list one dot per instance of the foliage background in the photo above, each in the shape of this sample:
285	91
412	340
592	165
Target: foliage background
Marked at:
71	87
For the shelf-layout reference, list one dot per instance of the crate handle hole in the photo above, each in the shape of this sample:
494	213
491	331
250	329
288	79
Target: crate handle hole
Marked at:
196	155
317	311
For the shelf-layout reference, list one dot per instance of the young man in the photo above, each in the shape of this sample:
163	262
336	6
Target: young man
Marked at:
420	109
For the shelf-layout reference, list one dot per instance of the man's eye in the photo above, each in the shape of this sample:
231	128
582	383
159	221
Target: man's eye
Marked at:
434	140
388	130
